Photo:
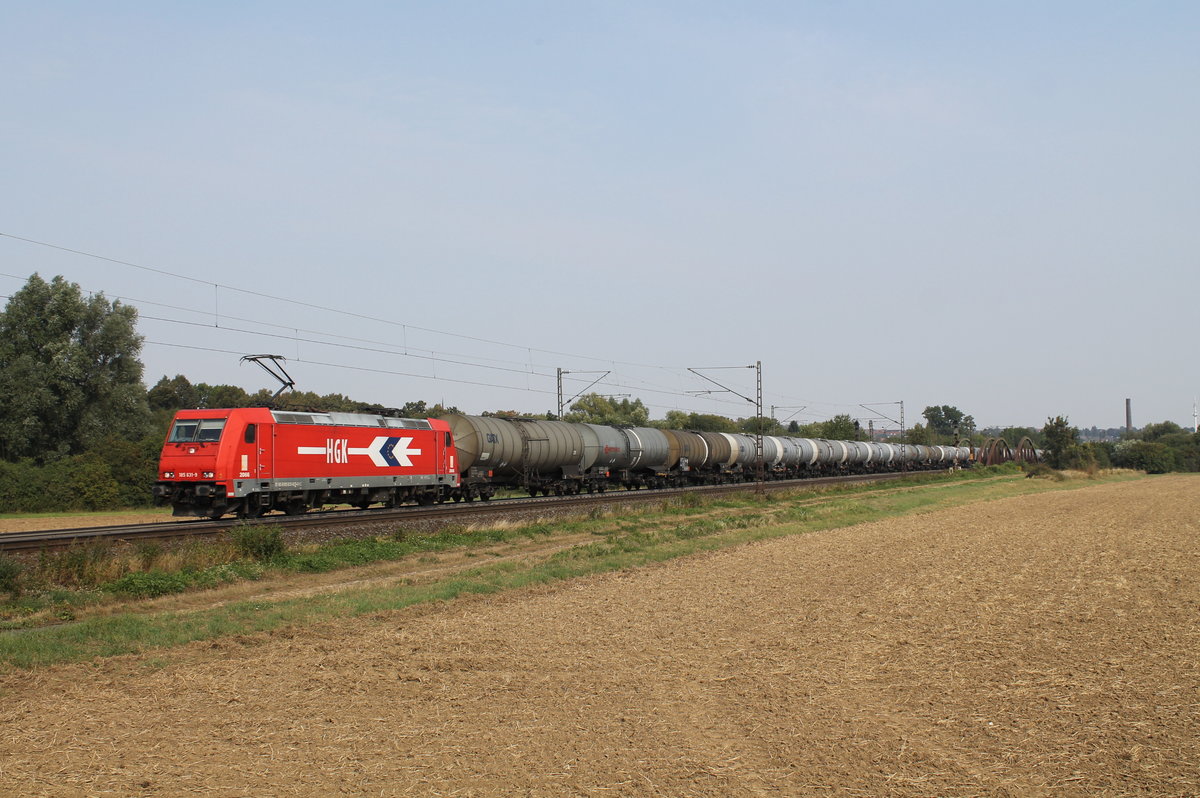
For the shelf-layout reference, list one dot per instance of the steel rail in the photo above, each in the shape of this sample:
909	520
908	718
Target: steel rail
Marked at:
64	538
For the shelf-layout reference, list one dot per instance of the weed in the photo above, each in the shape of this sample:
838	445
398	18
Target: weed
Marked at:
261	543
147	553
80	566
1042	471
149	584
10	575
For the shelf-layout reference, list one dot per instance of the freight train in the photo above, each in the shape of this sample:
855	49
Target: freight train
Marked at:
250	461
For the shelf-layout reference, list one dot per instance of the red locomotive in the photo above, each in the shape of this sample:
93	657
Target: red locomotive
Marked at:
249	461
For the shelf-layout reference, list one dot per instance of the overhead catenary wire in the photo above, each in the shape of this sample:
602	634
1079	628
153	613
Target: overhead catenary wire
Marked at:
619	382
326	308
641	386
390	372
638	385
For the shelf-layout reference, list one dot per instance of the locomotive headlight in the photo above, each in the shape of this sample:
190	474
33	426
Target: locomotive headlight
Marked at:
208	475
168	475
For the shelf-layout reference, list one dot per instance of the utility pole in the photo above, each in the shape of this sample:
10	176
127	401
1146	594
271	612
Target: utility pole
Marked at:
561	372
794	408
903	446
760	470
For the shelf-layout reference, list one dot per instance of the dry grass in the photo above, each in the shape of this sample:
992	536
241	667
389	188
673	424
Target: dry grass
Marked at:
1036	646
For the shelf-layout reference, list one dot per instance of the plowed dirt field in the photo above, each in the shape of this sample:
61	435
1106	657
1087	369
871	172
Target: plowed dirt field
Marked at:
1045	645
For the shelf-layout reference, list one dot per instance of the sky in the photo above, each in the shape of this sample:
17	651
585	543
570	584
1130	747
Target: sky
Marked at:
994	206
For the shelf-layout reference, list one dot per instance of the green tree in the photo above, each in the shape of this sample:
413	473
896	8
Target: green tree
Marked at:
69	372
504	414
1060	437
1153	432
750	426
593	408
173	394
1149	456
814	429
842	428
946	420
917	434
222	396
710	422
1013	435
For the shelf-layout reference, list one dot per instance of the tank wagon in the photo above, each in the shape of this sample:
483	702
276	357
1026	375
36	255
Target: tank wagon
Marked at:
563	458
248	461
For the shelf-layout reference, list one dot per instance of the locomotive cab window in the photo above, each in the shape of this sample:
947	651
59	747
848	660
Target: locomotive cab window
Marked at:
192	430
249	436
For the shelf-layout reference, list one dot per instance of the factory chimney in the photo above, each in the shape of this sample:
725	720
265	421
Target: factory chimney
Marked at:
1128	416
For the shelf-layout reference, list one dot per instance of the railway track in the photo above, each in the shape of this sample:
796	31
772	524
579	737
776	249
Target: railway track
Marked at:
434	515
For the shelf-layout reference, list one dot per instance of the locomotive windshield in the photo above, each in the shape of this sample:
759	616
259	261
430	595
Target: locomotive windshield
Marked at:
192	430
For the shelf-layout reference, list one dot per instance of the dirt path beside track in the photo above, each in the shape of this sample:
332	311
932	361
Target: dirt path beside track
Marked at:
1046	645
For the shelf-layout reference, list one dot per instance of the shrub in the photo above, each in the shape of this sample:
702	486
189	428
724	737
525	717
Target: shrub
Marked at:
261	543
147	553
1153	458
1042	471
10	575
149	584
80	565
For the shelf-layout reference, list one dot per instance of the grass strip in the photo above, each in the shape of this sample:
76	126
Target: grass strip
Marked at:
628	542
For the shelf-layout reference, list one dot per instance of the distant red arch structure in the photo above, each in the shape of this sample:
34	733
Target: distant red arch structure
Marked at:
996	451
1026	452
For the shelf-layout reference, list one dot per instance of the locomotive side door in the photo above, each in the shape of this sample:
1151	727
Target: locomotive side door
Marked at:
249	452
445	453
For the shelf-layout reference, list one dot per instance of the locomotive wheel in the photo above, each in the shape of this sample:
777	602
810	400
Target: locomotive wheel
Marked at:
295	507
251	512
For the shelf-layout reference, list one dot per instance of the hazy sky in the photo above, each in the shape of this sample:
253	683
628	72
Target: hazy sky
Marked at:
989	205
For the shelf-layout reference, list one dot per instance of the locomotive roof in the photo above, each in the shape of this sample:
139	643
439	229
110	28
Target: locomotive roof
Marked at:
349	420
